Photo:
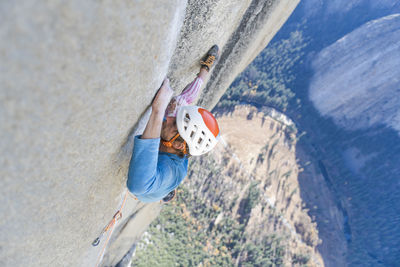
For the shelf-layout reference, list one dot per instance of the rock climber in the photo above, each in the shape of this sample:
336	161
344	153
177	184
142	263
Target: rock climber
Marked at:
174	132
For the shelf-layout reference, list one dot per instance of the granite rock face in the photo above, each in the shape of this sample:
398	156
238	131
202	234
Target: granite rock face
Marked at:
358	85
75	77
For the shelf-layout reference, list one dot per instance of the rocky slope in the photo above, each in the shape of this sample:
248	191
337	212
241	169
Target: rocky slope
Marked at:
75	78
268	160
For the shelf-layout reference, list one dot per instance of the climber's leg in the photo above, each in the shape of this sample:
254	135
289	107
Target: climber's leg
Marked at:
192	90
202	73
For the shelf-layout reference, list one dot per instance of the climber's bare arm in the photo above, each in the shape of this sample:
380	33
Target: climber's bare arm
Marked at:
160	103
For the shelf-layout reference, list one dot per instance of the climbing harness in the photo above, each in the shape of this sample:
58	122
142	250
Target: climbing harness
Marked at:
109	228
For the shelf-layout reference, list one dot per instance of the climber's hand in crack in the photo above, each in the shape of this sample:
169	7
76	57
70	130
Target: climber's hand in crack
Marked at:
162	98
160	103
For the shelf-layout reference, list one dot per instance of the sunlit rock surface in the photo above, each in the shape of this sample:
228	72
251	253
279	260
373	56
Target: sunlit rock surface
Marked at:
75	77
357	79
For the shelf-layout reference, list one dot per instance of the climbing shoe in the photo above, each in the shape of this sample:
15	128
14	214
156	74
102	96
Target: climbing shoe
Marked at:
210	58
169	197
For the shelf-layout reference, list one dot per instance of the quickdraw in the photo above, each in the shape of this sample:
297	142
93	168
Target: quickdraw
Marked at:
110	226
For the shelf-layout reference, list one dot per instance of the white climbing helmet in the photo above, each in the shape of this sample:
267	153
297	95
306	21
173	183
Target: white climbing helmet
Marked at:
198	127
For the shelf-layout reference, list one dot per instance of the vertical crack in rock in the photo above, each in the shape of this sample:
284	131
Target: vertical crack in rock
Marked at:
236	55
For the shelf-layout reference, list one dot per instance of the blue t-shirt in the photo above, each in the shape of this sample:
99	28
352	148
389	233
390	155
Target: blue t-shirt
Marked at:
153	174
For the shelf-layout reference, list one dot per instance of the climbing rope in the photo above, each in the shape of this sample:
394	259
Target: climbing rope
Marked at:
109	228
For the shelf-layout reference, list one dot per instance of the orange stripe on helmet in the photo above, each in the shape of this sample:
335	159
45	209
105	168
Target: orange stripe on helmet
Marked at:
210	121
